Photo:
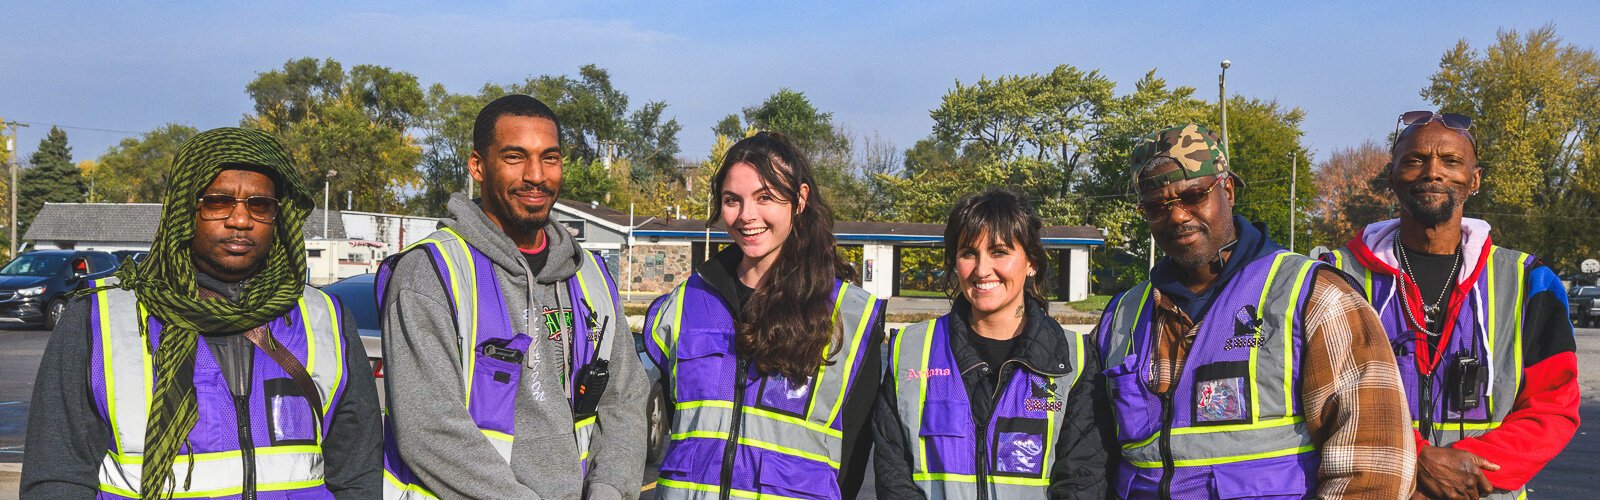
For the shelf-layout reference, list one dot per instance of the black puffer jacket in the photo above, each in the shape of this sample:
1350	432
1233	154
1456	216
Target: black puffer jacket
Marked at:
1080	469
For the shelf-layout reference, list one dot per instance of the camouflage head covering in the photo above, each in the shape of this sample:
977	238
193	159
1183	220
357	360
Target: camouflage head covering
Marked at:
1195	148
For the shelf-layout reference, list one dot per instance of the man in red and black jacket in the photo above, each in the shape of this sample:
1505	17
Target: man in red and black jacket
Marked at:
1480	331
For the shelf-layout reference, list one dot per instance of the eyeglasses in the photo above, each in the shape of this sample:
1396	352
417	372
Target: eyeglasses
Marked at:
1462	124
1190	200
221	206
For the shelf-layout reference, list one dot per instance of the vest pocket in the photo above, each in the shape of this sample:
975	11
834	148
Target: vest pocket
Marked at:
289	417
791	476
1279	477
1221	394
1137	410
1019	447
699	367
495	382
947	431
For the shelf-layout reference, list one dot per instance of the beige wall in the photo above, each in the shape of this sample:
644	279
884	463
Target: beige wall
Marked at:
654	267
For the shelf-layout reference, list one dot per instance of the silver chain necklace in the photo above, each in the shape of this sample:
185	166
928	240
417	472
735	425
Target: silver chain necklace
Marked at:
1430	311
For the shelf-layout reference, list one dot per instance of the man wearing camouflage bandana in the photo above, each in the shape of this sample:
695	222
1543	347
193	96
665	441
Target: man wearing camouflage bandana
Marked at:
1240	369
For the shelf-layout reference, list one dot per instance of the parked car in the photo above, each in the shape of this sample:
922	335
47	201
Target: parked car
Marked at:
1583	304
357	294
137	255
34	285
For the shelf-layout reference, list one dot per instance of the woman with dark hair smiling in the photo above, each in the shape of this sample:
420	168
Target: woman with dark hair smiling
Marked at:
990	400
770	354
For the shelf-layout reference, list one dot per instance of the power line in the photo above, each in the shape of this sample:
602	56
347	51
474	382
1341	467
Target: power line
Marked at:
75	127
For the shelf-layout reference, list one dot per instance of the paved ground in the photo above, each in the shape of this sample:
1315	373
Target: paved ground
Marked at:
1571	475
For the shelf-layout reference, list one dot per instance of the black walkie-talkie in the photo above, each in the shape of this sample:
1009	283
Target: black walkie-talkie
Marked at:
1467	374
591	380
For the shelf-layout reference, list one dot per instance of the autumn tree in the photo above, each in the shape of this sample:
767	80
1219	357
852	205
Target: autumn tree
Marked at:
1351	193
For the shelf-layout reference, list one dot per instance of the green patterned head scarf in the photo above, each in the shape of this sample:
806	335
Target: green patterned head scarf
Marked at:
165	282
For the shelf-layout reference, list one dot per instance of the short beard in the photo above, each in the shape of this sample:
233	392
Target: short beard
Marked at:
1204	252
1435	214
529	224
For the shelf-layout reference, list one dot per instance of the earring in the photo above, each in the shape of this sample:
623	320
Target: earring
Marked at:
1474	193
1030	274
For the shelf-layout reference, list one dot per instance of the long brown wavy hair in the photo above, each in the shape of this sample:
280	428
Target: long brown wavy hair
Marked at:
787	324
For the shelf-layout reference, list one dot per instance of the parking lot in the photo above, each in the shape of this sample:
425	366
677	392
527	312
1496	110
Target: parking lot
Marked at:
1570	476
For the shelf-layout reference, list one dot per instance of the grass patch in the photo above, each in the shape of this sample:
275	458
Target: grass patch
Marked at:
922	293
1093	304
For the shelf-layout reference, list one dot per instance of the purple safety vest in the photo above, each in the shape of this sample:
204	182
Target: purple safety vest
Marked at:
789	436
284	456
1231	425
492	382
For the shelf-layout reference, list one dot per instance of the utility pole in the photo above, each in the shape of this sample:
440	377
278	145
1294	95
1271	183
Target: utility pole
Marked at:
1222	100
327	182
11	153
1294	170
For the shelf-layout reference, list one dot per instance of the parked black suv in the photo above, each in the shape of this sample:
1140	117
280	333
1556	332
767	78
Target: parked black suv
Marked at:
33	286
1583	303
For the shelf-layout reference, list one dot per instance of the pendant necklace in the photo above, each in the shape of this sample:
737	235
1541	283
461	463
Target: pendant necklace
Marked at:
1430	311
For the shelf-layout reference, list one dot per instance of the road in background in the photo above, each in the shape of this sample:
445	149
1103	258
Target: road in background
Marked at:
1570	475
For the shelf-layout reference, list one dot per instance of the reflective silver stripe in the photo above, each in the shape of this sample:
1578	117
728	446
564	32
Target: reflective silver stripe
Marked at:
128	380
324	346
912	350
591	279
809	436
1507	280
1346	261
1274	430
1124	318
221	474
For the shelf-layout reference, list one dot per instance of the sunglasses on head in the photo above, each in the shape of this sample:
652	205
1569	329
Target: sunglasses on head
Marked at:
1189	200
1459	123
221	206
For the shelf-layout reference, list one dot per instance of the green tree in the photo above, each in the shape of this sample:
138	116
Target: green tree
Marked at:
135	170
1533	100
1264	142
1352	192
354	123
50	178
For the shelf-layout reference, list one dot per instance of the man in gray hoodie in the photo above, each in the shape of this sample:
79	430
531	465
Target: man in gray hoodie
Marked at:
514	348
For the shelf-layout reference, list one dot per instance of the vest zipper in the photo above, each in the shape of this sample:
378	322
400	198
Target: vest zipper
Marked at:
247	448
1167	467
732	446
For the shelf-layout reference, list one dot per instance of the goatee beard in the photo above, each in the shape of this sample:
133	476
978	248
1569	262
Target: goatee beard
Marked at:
1431	215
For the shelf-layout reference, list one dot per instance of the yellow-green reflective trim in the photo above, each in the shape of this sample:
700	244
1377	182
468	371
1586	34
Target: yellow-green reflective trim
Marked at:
135	459
415	488
1144	299
1455	426
1288	337
852	348
496	435
728	405
736	493
677	331
1209	429
222	492
822	369
1516	344
106	360
583	423
969	478
922	398
744	441
655	328
1255	380
1230	459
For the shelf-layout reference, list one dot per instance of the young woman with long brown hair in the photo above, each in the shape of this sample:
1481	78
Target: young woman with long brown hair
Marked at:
769	353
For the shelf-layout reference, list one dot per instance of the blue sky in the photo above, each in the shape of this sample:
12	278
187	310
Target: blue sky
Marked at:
879	67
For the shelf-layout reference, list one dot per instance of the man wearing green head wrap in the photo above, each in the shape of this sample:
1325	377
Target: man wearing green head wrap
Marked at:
278	403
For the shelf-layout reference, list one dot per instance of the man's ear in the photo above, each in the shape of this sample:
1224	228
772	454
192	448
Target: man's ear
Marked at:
475	167
1227	189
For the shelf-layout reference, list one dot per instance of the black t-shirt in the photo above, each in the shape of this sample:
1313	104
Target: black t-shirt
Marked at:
994	352
536	260
745	293
1432	275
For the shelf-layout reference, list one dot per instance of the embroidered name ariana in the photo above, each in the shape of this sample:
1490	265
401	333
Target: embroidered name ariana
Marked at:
914	374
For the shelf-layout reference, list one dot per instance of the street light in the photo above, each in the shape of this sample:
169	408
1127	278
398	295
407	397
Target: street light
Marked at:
1222	100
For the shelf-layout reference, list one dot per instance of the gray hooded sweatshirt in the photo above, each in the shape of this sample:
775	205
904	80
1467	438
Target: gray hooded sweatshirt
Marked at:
432	429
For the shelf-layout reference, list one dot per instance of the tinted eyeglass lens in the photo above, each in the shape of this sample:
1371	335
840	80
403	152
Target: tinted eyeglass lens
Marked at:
1455	121
220	206
1414	117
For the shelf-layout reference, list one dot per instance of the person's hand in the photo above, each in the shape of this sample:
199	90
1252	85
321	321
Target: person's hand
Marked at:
1448	473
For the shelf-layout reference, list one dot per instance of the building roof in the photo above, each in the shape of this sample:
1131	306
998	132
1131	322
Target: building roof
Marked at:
132	222
846	231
